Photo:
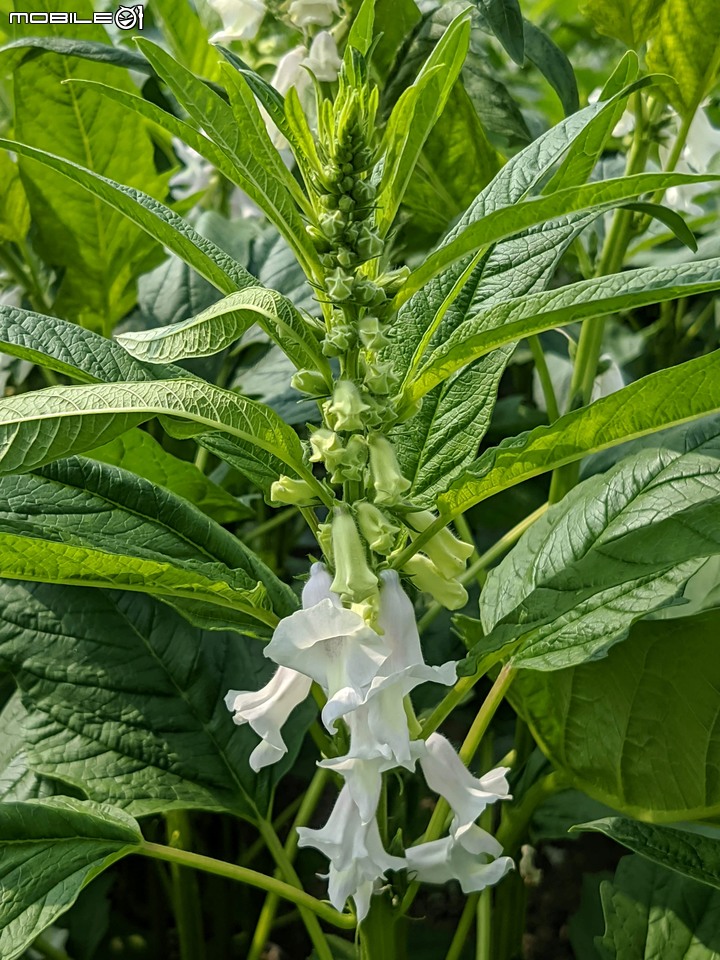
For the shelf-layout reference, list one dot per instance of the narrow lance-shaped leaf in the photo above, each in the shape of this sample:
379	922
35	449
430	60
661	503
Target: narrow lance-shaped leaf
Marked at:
682	393
156	219
526	316
49	850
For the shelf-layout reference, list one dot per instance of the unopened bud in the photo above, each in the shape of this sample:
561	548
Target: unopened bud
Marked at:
324	443
369	243
389	483
379	377
309	382
350	462
354	580
371	333
332	225
339	284
299	493
426	577
346	408
445	550
378	530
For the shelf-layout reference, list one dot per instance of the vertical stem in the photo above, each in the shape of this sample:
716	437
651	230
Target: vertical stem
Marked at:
284	863
462	931
551	404
185	893
272	901
483	947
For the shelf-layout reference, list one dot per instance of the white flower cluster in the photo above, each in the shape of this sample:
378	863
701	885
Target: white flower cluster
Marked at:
366	675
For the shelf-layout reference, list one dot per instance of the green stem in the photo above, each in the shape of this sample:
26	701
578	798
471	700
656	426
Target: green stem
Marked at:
309	915
483	940
551	404
377	931
46	949
486	560
185	894
231	871
462	931
266	920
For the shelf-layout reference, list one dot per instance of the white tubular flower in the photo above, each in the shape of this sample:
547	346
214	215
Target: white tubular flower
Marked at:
469	859
267	710
328	643
289	72
241	19
323	59
305	13
468	796
355	851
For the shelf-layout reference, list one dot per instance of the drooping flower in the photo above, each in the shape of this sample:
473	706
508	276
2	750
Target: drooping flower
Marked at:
323	59
327	642
472	858
241	19
305	13
355	851
467	795
267	710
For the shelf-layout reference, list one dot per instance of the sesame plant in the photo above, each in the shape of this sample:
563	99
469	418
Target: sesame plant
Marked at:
239	623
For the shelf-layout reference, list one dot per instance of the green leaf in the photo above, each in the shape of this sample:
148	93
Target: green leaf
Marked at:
394	23
650	912
97	51
598	722
140	453
579	578
14	210
86	523
361	31
223	323
506	221
416	113
686	852
99	253
59	421
676	395
156	219
187	37
154	737
554	65
49	850
17	781
240	132
504	19
515	319
686	44
630	21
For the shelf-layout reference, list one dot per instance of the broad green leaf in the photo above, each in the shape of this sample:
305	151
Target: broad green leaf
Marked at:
394	22
154	737
49	850
156	219
686	44
223	323
651	912
630	21
553	64
361	31
56	422
187	37
80	521
580	577
240	132
99	253
14	210
141	454
687	852
489	329
94	50
599	722
415	114
507	221
682	393
504	19
17	781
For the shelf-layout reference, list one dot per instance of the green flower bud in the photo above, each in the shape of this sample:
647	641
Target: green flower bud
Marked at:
289	490
365	291
310	382
363	192
371	333
349	463
369	243
446	551
324	539
347	184
393	281
324	443
333	225
379	377
346	408
426	577
339	284
345	257
338	340
354	580
346	204
389	483
377	529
